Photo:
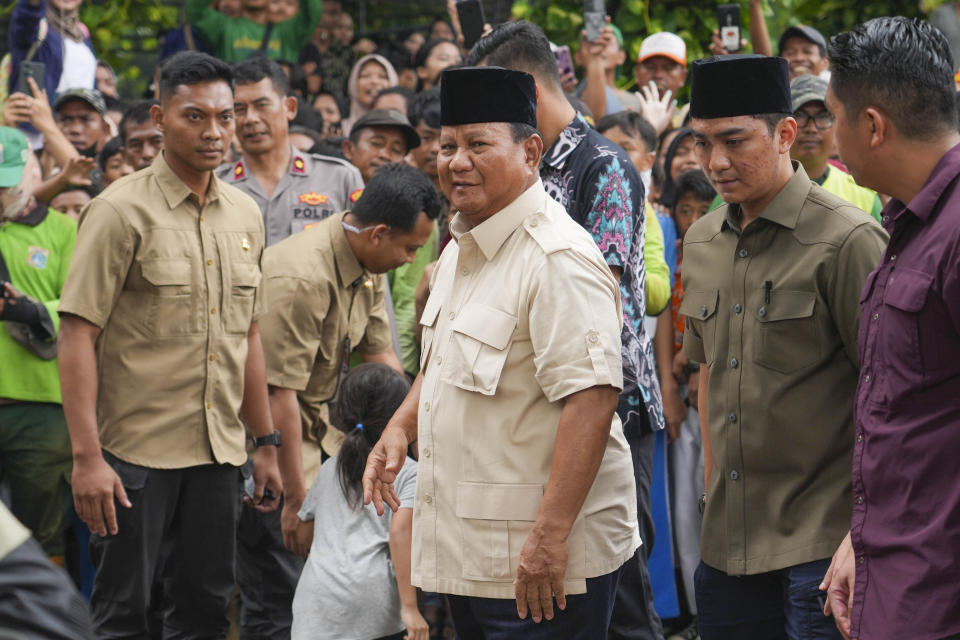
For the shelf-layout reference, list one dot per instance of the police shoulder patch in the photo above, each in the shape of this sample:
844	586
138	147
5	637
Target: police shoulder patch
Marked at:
238	170
356	195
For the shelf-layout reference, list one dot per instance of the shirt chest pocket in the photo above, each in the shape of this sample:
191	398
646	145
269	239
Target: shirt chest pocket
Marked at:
477	350
787	337
169	306
904	297
239	296
699	307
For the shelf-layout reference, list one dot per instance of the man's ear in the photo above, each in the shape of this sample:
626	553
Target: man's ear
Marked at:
377	234
156	115
532	151
787	130
876	126
290	106
347	147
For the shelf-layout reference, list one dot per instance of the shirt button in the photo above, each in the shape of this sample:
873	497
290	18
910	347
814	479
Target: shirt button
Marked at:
762	312
859	499
893	257
428	499
861	559
885	219
859	437
737	308
876	316
743	253
209	262
439	360
213	310
703	311
426	453
465	271
734	475
209	406
593	338
866	378
451	315
734	363
732	418
212	358
426	407
534	222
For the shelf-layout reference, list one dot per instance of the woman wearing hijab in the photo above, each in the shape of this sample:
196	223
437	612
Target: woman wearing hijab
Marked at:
60	41
370	75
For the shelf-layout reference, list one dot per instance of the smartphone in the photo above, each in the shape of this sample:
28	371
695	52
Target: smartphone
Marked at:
594	18
30	69
728	19
564	61
471	17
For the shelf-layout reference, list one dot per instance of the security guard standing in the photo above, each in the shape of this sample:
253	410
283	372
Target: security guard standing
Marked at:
161	367
771	287
294	190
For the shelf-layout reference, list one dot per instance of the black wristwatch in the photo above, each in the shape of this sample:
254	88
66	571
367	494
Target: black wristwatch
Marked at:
273	438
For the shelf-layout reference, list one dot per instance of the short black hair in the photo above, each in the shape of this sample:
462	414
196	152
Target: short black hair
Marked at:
397	54
190	68
306	131
137	113
425	107
772	120
113	104
695	183
405	93
521	46
396	195
900	65
112	147
521	131
253	70
632	124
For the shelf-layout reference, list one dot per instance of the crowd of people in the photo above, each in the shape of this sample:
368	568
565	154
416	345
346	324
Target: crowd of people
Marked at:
335	337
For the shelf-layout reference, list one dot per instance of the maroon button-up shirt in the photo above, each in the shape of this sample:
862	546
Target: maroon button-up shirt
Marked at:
906	462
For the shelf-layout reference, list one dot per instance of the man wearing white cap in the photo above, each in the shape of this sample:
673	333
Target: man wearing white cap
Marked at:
662	62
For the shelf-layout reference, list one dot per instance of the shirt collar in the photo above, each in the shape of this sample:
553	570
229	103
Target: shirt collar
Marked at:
494	231
570	138
785	207
942	176
348	267
35	217
174	190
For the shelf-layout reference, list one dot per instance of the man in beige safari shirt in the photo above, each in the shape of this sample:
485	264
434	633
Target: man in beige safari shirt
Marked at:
525	488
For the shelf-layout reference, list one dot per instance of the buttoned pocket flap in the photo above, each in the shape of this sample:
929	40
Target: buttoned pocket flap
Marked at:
699	304
486	324
788	305
907	290
173	272
487	501
245	274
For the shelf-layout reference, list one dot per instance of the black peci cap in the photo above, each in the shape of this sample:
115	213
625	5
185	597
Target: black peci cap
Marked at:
739	85
487	94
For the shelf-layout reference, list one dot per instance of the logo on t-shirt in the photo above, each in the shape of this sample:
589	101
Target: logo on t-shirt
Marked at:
37	257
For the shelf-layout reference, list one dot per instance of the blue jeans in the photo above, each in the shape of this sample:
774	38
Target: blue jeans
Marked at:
777	605
586	617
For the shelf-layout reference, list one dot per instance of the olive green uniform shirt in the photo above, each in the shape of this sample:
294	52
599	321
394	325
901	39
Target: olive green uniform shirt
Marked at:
174	287
773	311
322	305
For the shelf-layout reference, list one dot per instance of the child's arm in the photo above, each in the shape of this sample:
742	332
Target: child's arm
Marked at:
400	539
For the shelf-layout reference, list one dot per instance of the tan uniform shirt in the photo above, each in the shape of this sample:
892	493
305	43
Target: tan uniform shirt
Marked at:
523	312
773	311
322	304
174	288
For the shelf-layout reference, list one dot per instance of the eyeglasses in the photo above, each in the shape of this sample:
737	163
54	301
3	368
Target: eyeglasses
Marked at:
822	120
350	227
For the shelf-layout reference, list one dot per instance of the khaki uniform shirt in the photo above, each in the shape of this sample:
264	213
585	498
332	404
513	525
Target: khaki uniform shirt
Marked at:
315	187
174	288
773	311
322	304
523	312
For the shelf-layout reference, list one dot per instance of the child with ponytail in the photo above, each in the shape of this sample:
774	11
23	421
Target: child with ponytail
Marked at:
355	584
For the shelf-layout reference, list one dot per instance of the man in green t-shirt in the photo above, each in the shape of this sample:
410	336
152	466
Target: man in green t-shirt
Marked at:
36	245
238	38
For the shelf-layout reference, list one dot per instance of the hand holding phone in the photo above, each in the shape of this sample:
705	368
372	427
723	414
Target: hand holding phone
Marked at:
30	69
728	19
